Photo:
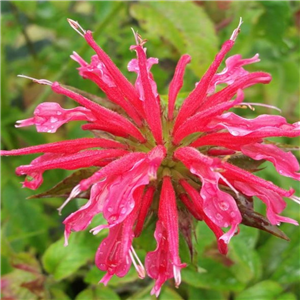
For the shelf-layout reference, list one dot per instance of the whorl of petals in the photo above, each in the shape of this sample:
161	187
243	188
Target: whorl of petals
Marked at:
173	164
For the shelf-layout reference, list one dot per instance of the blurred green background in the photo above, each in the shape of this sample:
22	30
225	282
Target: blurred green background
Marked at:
37	41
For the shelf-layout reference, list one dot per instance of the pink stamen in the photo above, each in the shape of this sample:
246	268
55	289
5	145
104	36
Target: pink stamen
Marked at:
236	31
139	267
260	104
177	275
228	183
40	81
76	191
296	199
75	25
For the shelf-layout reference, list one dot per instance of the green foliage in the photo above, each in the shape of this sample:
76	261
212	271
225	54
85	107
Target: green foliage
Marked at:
179	25
62	261
37	41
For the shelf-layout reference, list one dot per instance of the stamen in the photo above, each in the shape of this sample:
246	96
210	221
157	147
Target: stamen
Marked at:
66	239
236	31
296	199
228	183
177	276
76	190
98	228
140	268
40	81
135	36
138	39
75	25
260	104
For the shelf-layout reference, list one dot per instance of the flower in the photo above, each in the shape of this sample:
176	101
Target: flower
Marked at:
181	163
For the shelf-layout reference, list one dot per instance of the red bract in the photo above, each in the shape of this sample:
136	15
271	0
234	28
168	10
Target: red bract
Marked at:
176	164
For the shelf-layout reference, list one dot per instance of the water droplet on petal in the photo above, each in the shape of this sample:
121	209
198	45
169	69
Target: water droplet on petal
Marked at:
123	211
109	209
53	120
232	214
219	217
224	205
113	218
58	113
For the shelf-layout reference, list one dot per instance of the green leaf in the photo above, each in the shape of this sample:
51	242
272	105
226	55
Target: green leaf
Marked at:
287	296
27	8
167	294
264	290
288	271
24	220
195	294
143	294
274	253
184	25
217	277
62	261
58	294
247	264
274	21
97	293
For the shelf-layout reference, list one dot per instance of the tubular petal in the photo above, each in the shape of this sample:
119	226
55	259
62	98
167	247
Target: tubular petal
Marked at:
124	85
233	70
176	83
233	173
196	208
285	163
197	96
164	262
98	73
241	83
103	115
145	206
199	120
70	146
151	105
274	202
72	161
49	116
219	206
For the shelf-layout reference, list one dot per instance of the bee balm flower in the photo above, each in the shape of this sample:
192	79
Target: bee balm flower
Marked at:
170	160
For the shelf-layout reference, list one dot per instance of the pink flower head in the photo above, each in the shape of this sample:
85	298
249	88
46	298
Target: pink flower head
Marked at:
160	161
